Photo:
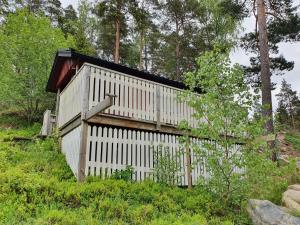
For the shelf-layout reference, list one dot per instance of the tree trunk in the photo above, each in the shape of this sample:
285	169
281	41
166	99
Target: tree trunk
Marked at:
141	50
117	42
265	71
177	50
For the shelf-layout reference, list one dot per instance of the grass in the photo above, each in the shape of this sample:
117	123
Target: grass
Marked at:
294	139
37	187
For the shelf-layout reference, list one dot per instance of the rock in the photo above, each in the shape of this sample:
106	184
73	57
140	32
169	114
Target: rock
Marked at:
263	212
291	198
298	164
295	187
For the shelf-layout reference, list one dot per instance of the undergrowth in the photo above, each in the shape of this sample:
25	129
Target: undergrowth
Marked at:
37	187
294	139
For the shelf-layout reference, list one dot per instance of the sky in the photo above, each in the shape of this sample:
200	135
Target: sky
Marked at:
291	51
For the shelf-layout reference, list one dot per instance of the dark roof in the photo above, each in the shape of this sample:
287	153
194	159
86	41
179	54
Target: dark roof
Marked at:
66	54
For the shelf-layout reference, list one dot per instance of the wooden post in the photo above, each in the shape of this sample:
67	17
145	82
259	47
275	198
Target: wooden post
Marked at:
188	162
84	125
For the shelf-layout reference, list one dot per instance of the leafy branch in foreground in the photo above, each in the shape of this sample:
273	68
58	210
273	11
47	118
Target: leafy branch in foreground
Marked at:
222	114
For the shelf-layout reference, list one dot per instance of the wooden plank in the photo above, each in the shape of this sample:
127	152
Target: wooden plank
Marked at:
84	130
70	126
100	107
130	123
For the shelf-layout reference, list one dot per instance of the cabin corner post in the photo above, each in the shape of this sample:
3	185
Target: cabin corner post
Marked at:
84	124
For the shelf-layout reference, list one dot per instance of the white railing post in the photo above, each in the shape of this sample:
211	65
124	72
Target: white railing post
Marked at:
84	125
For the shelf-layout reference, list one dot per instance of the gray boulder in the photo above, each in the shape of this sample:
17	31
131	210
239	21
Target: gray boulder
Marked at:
263	212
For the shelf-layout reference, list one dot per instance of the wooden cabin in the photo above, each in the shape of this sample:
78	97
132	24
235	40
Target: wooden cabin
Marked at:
110	116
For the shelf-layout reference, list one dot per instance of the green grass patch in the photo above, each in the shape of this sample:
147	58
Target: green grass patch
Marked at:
294	139
37	187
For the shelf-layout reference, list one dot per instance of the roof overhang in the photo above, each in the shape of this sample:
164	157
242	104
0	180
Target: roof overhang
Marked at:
67	61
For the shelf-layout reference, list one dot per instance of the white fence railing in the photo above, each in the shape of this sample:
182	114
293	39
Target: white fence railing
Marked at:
110	149
138	98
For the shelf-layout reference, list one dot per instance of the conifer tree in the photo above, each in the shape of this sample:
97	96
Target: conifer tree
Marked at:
289	106
276	21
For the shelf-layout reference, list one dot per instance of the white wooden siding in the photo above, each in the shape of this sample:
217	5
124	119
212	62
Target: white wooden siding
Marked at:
70	145
70	100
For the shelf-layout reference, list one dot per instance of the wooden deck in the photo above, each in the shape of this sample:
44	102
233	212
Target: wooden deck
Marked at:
108	120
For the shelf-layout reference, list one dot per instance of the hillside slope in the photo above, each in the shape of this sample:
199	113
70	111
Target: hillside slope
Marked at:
37	187
289	143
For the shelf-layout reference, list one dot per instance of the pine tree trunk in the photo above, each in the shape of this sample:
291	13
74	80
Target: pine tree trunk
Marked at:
141	50
117	42
265	71
177	50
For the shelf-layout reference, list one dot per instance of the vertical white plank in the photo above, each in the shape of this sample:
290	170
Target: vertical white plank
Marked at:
105	146
130	96
130	149
97	81
126	97
115	149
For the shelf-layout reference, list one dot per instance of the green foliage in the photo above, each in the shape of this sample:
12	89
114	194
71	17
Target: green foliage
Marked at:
222	115
12	119
166	166
27	47
294	139
123	174
235	174
288	111
37	187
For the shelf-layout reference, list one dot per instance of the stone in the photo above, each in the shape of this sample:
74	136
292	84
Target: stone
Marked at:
295	187
291	199
264	212
298	164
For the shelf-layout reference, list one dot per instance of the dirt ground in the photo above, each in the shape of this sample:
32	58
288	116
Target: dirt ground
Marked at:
286	148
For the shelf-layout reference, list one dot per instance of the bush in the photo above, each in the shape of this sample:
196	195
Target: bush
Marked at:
123	174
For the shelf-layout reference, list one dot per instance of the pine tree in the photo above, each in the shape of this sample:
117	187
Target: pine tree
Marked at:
53	10
276	21
143	27
289	106
190	28
112	26
77	26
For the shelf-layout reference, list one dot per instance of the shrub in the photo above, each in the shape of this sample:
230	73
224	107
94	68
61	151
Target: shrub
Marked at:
166	166
123	174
